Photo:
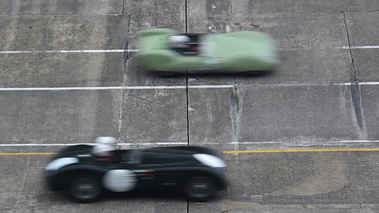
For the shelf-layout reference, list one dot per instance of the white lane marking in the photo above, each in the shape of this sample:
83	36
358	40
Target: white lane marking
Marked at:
359	141
360	47
315	84
268	142
206	143
115	88
68	51
155	143
35	144
137	50
368	83
119	144
175	87
361	83
210	86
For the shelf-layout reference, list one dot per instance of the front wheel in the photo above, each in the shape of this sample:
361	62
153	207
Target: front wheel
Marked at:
85	189
199	188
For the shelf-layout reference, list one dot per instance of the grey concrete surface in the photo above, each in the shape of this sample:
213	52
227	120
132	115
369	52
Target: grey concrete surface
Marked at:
274	113
58	7
48	32
370	106
361	33
153	116
303	104
290	113
58	116
302	6
211	115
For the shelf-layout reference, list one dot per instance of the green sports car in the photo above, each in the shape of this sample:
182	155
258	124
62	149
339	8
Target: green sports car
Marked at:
167	51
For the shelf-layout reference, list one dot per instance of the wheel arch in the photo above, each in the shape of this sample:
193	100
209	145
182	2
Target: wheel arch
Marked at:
66	175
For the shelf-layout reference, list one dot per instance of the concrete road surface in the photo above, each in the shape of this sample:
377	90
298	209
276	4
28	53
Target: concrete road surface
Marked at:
302	139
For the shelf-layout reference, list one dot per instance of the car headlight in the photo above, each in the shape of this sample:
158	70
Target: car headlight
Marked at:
210	160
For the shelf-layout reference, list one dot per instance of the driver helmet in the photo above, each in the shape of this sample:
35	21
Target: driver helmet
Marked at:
104	146
178	41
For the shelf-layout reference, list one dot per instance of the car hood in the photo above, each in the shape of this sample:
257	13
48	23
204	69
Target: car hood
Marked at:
75	150
183	150
182	155
241	43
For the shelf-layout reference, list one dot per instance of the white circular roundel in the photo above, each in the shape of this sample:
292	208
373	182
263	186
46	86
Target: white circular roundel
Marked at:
120	180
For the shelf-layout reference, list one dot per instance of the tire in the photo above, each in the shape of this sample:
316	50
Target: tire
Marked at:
85	189
199	188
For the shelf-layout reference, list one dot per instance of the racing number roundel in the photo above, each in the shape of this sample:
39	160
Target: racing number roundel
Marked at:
119	180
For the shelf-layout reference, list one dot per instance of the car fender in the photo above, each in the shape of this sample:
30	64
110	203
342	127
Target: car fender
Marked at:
76	169
217	177
157	60
61	162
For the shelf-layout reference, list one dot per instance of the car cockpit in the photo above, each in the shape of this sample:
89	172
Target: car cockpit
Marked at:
185	44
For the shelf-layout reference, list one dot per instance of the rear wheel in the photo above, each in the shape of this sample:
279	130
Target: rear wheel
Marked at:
85	189
200	188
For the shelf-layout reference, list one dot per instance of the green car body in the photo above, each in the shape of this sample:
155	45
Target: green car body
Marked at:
243	51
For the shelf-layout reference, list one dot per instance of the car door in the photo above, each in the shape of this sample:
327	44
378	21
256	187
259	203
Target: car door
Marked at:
159	170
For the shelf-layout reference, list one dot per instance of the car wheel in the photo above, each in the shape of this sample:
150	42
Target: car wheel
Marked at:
85	189
199	188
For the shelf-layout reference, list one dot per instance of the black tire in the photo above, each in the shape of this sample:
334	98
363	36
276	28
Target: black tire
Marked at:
85	189
199	188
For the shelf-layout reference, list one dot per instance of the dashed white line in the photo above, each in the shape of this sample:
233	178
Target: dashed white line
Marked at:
360	47
361	83
36	144
205	143
120	144
115	88
359	141
368	83
155	143
210	86
136	50
68	51
176	87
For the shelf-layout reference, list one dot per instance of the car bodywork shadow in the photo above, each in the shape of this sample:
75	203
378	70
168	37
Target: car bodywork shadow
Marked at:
252	74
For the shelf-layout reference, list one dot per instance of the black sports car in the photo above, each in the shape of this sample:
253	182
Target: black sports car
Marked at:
86	172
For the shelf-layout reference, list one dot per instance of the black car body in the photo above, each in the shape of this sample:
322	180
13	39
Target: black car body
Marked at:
197	171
